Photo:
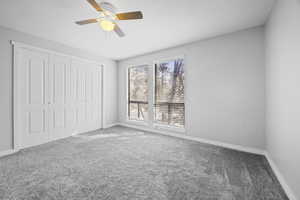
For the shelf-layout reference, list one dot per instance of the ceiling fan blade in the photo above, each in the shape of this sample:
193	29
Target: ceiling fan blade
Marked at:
130	15
95	5
118	31
88	21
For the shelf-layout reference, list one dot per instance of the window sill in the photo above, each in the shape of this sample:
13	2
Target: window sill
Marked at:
137	122
169	128
156	126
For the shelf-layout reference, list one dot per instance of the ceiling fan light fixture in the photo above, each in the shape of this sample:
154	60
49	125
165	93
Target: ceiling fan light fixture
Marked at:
107	25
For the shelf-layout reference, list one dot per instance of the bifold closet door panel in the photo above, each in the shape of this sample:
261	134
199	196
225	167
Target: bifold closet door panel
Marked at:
60	110
33	97
93	96
71	99
80	100
88	95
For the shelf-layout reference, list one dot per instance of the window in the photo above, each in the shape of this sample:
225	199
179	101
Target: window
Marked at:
165	90
169	93
138	93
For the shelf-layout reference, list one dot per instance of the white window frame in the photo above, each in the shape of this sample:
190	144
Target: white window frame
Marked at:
157	124
133	121
151	96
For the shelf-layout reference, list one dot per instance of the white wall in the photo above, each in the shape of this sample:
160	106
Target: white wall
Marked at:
224	87
283	90
110	79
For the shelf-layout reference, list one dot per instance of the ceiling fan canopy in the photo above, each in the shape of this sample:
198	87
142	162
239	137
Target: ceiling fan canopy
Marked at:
108	17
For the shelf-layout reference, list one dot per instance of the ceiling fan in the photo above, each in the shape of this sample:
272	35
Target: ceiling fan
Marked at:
108	17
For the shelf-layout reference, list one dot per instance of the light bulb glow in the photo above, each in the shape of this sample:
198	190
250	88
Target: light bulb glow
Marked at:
107	25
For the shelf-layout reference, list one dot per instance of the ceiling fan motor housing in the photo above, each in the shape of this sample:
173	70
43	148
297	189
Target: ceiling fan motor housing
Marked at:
108	7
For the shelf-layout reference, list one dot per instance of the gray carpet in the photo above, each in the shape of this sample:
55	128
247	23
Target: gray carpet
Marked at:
126	164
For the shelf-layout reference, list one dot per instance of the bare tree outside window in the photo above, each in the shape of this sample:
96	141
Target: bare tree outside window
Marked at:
138	93
169	93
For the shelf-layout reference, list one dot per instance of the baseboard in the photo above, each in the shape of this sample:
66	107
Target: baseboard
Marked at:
188	137
291	195
7	152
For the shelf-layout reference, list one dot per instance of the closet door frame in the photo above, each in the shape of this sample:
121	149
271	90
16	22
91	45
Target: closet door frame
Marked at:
16	110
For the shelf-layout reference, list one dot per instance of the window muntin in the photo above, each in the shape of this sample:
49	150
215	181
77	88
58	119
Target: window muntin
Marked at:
169	106
138	93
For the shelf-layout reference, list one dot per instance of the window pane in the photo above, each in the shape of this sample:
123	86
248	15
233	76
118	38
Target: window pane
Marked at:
169	93
138	93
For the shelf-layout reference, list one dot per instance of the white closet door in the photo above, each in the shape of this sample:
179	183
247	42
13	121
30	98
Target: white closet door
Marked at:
80	101
59	75
93	97
71	99
88	95
55	96
33	97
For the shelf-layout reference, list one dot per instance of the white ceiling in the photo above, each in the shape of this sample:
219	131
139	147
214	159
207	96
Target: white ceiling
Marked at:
166	23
